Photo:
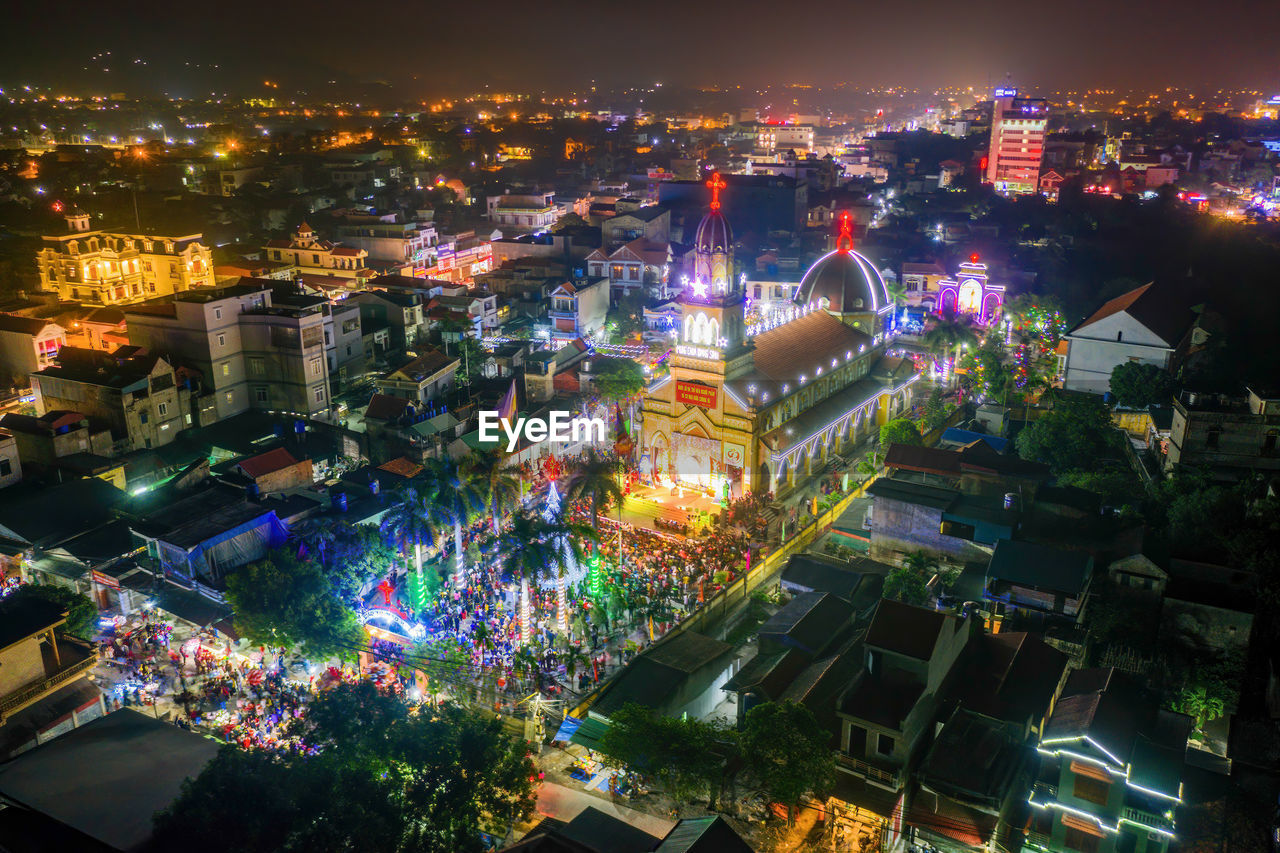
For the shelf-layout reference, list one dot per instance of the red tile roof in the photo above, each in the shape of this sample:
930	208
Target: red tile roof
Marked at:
266	463
402	466
383	407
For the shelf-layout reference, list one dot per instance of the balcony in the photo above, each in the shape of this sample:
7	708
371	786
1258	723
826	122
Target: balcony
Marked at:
30	693
1148	819
871	773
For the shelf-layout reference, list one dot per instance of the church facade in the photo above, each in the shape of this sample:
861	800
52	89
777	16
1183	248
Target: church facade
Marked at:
762	407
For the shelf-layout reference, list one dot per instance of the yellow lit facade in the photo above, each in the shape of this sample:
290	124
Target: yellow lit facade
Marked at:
118	268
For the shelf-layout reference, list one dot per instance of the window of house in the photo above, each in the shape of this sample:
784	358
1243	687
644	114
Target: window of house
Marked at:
162	409
217	313
226	368
316	367
1093	790
884	744
230	397
319	395
1211	440
1081	841
258	366
315	259
1269	441
142	417
260	394
6	468
222	340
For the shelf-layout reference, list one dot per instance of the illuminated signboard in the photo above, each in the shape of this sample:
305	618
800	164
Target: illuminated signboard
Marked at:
695	394
1006	93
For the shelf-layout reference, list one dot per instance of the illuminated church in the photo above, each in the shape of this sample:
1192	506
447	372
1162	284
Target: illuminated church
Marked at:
762	407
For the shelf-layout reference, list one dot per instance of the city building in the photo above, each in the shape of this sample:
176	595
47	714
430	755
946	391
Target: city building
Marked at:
577	309
524	211
1034	579
782	137
42	441
139	396
312	255
1111	769
426	378
1017	142
28	344
387	240
95	267
250	351
44	686
400	312
10	458
641	264
1227	434
1147	325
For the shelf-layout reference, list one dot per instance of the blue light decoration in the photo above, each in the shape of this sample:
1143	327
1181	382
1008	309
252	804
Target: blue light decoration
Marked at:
385	617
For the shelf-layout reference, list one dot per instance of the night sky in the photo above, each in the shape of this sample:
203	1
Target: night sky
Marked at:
428	48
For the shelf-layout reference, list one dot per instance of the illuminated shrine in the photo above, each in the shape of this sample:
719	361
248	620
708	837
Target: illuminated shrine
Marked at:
971	293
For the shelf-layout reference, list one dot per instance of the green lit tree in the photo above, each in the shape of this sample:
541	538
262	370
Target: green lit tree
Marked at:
283	601
900	431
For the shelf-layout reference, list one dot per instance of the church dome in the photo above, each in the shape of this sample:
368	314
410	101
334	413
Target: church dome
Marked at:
714	234
848	281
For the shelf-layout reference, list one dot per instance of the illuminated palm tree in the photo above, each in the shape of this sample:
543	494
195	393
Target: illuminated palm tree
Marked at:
412	522
595	477
947	337
494	481
455	498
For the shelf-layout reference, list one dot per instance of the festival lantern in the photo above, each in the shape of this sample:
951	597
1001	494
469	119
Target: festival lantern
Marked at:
524	611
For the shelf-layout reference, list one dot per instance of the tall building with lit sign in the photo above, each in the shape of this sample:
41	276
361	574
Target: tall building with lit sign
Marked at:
1017	142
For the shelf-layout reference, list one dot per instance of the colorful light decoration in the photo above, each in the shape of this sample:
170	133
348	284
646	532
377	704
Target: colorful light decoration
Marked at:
393	621
525	614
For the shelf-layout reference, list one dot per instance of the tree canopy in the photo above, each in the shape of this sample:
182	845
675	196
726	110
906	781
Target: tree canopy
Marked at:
685	756
384	779
1137	386
81	613
900	431
283	601
1075	435
617	379
788	752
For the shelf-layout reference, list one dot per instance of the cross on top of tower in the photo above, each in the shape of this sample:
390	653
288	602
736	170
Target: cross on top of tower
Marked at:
844	243
716	184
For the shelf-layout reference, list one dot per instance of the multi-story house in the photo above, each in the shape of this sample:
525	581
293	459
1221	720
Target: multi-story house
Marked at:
524	211
42	670
43	440
1146	325
343	343
400	312
250	351
312	255
639	264
1228	434
387	240
10	459
424	379
651	222
139	396
117	267
1110	772
577	309
1029	578
887	713
28	344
